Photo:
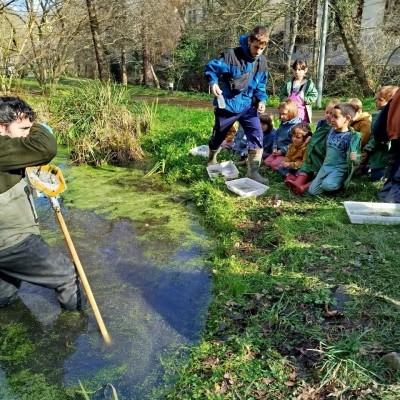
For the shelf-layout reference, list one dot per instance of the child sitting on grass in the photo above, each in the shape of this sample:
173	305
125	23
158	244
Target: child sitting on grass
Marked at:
361	123
343	151
296	150
240	142
287	110
315	154
228	143
378	151
269	132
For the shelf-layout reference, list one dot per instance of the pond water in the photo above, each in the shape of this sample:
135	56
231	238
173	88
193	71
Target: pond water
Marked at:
143	253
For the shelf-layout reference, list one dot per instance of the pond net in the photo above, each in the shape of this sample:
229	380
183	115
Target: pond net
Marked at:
47	179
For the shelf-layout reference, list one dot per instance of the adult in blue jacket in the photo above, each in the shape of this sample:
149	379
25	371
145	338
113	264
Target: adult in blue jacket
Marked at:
242	73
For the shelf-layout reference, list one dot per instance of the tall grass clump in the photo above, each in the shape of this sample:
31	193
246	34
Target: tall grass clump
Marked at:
101	123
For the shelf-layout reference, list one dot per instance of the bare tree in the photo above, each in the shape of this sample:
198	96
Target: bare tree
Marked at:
95	30
348	29
40	37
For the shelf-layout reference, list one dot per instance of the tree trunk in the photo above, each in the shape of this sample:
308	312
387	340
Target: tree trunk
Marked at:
147	74
155	79
124	74
355	58
293	35
94	28
317	36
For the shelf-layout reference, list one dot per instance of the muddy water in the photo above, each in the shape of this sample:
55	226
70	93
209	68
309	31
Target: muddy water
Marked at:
143	253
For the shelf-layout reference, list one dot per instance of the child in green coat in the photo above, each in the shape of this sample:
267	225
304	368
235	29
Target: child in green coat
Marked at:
343	152
378	151
315	154
301	90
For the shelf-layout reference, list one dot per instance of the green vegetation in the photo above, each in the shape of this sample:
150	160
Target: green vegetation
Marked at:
95	120
276	328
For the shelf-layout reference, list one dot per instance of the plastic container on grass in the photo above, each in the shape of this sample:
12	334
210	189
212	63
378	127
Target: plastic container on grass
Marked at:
202	150
246	187
372	213
227	169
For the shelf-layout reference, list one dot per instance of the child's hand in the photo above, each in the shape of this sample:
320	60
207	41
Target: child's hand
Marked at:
353	156
284	164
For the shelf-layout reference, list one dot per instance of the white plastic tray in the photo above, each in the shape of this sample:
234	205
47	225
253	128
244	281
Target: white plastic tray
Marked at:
202	150
372	213
246	187
227	169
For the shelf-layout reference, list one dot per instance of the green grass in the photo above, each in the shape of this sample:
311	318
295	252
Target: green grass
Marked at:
272	332
276	263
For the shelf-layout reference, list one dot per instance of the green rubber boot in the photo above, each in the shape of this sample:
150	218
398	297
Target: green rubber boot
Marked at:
253	166
212	156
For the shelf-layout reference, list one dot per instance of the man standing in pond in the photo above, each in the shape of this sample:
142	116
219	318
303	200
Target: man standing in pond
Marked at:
241	97
24	255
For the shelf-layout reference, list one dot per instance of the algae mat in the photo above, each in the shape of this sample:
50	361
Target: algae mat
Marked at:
143	253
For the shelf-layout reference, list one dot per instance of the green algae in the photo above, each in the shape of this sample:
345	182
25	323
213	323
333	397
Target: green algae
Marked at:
161	229
33	386
15	343
16	347
162	221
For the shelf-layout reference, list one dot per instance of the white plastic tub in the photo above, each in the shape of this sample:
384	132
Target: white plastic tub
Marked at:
372	213
202	150
246	187
227	169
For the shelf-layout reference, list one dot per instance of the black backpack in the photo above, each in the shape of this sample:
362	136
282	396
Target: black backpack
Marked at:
241	83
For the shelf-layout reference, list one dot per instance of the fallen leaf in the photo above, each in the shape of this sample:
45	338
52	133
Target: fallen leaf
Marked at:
267	381
210	361
229	378
293	376
259	296
366	391
289	383
332	313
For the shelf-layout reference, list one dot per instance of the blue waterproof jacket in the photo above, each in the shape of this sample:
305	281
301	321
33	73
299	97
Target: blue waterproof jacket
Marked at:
221	69
283	135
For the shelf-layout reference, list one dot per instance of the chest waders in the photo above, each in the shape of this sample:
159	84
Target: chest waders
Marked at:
49	180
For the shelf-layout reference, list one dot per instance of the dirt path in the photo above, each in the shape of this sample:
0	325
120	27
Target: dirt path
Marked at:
206	104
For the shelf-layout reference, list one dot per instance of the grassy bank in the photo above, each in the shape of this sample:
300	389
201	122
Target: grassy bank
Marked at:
305	304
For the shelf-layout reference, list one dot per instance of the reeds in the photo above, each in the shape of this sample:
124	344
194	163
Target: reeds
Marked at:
101	124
